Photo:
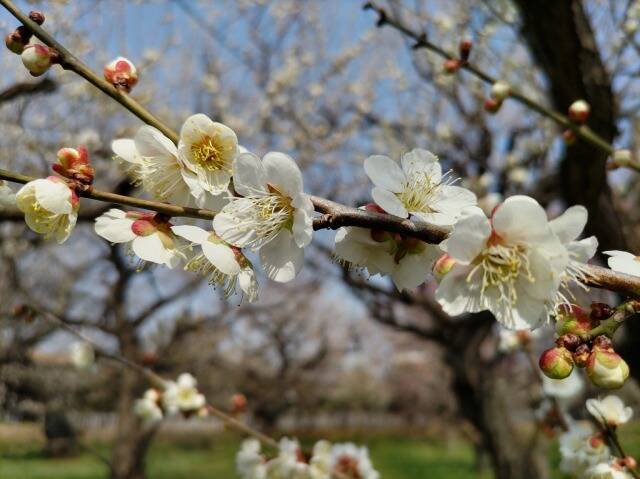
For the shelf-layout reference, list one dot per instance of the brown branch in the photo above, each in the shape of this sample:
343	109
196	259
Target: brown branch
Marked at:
46	85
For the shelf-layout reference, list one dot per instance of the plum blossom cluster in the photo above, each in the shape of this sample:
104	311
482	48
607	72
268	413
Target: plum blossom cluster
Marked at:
587	452
327	460
177	397
577	346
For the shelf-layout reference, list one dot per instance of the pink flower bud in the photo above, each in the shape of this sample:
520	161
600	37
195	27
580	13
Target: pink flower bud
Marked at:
442	266
579	111
465	49
556	363
37	58
500	90
572	319
74	164
451	66
606	369
491	105
121	73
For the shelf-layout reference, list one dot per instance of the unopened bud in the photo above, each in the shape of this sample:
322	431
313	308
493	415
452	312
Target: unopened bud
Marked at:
465	49
500	90
629	462
556	363
238	403
572	319
603	342
121	73
451	66
606	369
579	111
581	355
74	164
14	42
442	266
622	157
600	311
491	105
569	341
37	58
569	137
37	17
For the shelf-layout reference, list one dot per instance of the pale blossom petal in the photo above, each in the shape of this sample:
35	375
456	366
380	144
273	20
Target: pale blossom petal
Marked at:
624	262
389	202
422	162
115	227
249	174
469	236
248	284
194	234
150	142
150	248
303	225
569	225
54	196
414	269
507	220
384	173
125	148
222	257
283	173
281	258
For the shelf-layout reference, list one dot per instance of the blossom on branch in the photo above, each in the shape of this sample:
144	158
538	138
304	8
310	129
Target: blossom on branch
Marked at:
50	207
417	187
82	354
225	265
149	235
511	264
272	214
182	395
623	262
208	149
609	411
580	448
148	408
121	73
606	470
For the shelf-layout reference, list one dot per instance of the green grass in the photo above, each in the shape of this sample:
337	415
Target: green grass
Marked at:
395	457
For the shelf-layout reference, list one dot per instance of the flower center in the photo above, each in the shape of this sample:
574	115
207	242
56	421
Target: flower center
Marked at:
200	264
348	466
211	155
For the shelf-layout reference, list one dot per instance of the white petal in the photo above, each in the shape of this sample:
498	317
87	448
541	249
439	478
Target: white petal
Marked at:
222	257
225	223
248	174
248	284
283	173
414	269
529	313
303	223
569	225
546	283
623	262
125	148
469	236
583	250
389	202
115	227
384	173
195	127
458	296
150	248
191	233
152	143
521	219
54	196
214	181
422	162
281	258
449	202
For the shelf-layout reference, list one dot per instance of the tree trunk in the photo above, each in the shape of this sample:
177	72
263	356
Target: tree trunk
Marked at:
132	440
486	400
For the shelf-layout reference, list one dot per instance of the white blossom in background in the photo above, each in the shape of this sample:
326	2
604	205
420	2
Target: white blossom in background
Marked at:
607	471
182	395
208	149
50	207
510	265
623	262
581	448
250	464
223	264
609	411
352	461
273	214
82	354
7	196
150	239
148	408
151	159
568	227
416	187
289	463
407	261
564	390
510	340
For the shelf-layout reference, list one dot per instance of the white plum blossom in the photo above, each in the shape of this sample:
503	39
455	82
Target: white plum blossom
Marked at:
568	227
208	149
222	263
250	464
510	340
624	262
510	264
182	395
7	196
148	408
352	461
416	187
606	470
152	160
272	214
581	448
50	207
289	463
564	390
149	235
609	411
407	260
82	354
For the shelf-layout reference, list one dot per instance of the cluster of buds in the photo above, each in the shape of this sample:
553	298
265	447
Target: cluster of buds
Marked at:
36	57
121	73
74	164
578	114
576	347
499	91
452	65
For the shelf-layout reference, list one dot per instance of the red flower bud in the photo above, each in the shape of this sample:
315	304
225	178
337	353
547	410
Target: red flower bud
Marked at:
556	363
465	49
442	266
37	17
14	42
579	111
121	73
451	66
572	319
581	355
492	105
569	341
600	311
238	403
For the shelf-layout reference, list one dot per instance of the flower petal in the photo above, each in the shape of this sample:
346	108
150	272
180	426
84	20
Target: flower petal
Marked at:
228	223
248	284
191	233
422	162
115	227
222	257
249	174
281	258
389	202
150	248
303	222
125	148
469	236
521	219
151	142
569	225
283	173
54	196
384	173
414	269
